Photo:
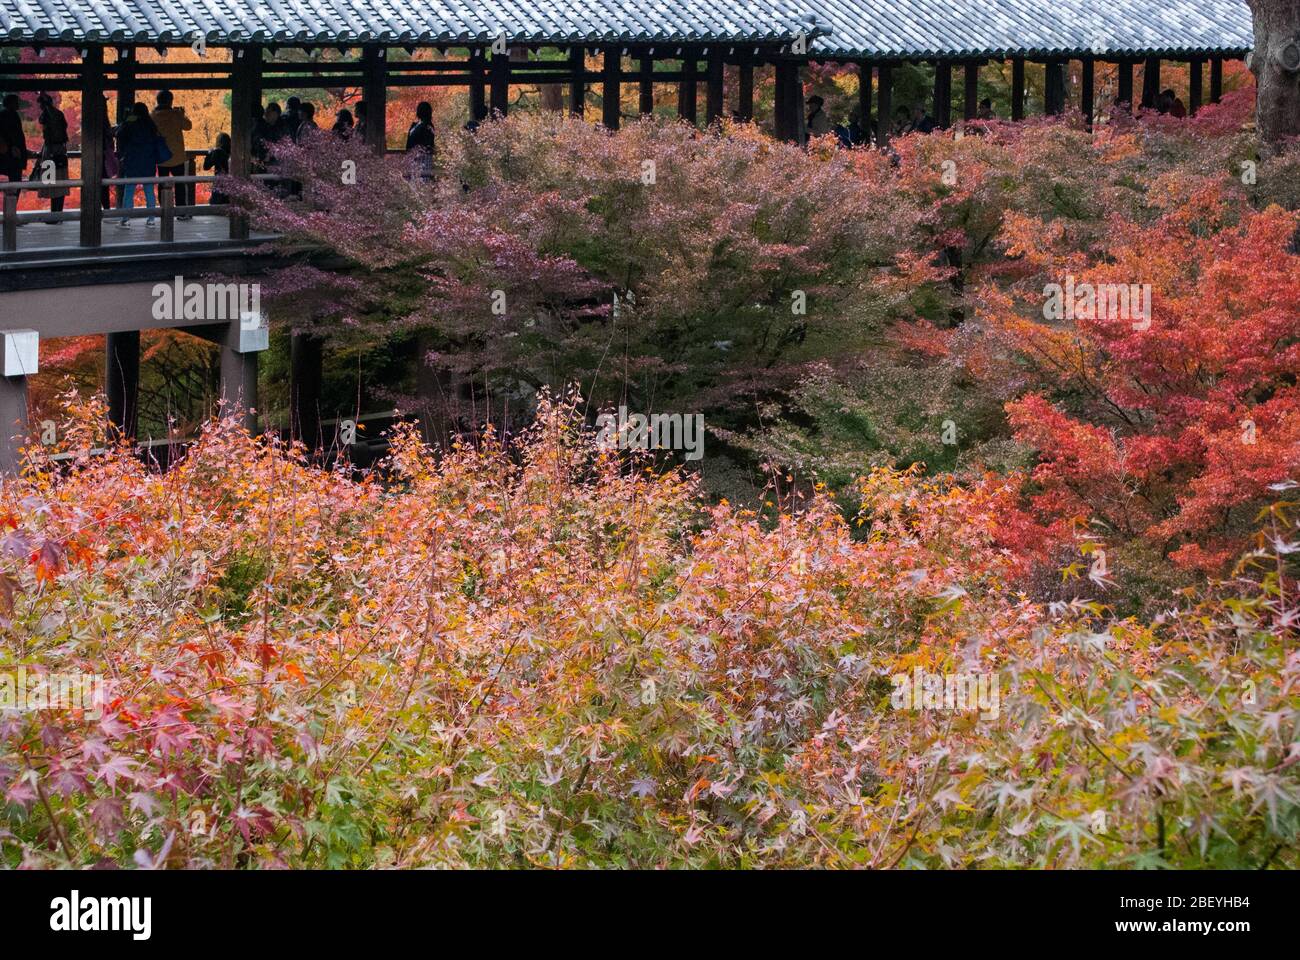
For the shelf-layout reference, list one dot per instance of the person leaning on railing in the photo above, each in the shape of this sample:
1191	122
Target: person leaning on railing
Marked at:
172	124
52	161
140	149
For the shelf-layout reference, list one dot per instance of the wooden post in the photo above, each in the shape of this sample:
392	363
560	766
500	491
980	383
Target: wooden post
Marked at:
971	91
245	83
745	89
13	423
1194	89
1150	83
686	89
646	85
1054	88
1124	92
884	104
477	85
1216	79
864	99
92	146
500	83
306	365
942	94
713	99
239	377
784	126
126	69
122	381
577	81
612	89
20	358
1018	88
1087	91
374	91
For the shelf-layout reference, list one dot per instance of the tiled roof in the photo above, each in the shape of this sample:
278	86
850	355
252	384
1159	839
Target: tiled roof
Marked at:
859	28
401	21
999	28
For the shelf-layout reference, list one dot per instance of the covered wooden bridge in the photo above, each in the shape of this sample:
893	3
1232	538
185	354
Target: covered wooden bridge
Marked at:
63	273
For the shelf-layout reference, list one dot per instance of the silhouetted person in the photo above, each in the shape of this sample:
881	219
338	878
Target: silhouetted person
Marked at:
342	125
13	142
138	144
817	123
362	114
218	161
306	121
985	111
52	161
421	140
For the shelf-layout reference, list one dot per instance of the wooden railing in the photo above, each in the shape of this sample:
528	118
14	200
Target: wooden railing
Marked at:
167	210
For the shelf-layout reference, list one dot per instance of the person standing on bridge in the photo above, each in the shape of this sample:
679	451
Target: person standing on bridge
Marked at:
140	149
13	142
52	161
172	124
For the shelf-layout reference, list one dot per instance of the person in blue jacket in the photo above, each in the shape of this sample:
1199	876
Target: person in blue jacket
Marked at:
140	149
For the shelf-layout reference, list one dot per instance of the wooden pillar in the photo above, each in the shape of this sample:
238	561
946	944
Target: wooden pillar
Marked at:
611	97
306	363
126	69
245	84
942	94
92	146
1216	79
374	91
1195	91
1054	88
686	88
745	88
971	90
500	83
864	98
21	349
714	103
122	381
1150	83
646	85
577	81
1018	88
884	104
239	375
1087	90
477	85
1124	92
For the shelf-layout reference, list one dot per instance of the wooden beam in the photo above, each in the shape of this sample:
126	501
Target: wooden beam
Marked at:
1216	79
1150	82
1194	86
1018	88
612	89
122	381
374	91
1054	88
971	90
577	81
92	146
477	85
714	104
942	94
246	70
1087	90
884	104
686	89
500	83
646	106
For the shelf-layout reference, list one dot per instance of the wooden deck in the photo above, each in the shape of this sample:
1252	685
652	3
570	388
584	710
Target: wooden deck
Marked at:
116	239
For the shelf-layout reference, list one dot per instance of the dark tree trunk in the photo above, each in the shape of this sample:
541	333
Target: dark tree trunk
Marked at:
1276	66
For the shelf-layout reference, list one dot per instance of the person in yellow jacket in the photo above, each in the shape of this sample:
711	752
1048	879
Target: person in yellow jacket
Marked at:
172	124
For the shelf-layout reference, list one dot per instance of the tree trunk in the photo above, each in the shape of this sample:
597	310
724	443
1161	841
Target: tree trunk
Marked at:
1276	66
